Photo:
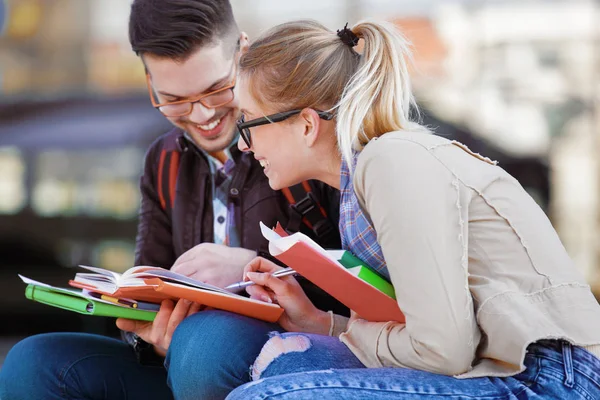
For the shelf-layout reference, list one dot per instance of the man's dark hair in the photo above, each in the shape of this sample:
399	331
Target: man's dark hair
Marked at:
177	28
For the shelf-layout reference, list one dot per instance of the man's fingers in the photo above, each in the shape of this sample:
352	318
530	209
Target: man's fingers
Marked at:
195	307
179	313
186	267
185	257
130	325
159	325
193	253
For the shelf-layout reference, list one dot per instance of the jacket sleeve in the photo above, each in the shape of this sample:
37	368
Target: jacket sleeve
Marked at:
154	241
420	213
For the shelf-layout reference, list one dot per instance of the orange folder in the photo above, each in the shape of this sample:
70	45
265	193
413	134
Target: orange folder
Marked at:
158	290
366	300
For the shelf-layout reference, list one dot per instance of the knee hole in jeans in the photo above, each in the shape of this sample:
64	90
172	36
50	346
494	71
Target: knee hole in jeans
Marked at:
276	346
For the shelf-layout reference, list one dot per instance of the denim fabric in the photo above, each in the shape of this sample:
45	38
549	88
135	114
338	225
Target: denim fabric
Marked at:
78	366
329	349
210	354
555	370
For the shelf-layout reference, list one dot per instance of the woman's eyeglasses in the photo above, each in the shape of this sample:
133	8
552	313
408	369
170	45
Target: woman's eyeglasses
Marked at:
244	126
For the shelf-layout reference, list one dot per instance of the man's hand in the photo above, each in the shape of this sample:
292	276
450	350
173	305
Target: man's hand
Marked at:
160	331
300	314
213	263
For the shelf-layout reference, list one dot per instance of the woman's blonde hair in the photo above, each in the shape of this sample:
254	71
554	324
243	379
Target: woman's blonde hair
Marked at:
303	64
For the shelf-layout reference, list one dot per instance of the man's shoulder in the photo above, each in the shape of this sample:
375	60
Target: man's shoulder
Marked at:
169	141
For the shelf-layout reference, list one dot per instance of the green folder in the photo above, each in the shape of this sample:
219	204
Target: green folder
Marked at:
363	271
349	260
358	268
372	277
77	302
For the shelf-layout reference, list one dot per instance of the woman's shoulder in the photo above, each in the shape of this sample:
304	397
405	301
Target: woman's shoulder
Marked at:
417	137
405	142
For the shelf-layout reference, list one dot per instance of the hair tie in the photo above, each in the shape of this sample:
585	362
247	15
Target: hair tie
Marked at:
348	37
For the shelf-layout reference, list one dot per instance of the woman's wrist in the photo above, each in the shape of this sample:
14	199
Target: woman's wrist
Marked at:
320	323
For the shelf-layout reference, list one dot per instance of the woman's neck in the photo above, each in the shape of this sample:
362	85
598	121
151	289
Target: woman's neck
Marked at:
329	169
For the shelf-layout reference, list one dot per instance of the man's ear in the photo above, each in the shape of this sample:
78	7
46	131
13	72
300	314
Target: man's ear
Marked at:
312	124
244	42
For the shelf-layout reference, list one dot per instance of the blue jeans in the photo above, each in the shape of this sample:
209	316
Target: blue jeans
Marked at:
555	370
210	354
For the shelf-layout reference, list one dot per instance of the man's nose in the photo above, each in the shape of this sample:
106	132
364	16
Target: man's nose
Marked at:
200	114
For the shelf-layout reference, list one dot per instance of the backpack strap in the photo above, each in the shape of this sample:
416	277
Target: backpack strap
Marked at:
306	209
168	168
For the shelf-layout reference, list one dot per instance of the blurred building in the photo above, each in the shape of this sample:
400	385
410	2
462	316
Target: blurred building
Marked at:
52	47
516	79
526	77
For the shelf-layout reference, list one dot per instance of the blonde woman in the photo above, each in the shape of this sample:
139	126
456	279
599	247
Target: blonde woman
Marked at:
494	306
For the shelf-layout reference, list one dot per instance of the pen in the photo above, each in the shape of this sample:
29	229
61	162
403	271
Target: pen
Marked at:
140	305
244	284
116	300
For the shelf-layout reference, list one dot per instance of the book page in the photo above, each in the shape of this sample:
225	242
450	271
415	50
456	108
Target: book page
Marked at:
135	276
167	275
111	276
227	293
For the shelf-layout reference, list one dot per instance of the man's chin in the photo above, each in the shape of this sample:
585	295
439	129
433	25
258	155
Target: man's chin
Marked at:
213	144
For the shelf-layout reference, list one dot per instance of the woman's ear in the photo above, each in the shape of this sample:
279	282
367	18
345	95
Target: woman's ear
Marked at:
312	124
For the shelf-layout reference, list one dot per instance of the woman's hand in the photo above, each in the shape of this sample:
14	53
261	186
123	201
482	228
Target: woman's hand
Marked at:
300	314
160	331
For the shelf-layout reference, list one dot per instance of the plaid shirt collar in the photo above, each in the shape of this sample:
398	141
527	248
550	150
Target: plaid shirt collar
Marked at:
357	232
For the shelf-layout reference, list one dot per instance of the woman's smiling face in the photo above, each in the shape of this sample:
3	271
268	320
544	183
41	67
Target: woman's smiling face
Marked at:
279	147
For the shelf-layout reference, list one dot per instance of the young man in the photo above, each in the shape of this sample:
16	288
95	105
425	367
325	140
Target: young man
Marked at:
219	195
202	201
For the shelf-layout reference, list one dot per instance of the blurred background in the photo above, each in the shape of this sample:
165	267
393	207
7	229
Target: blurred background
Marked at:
517	81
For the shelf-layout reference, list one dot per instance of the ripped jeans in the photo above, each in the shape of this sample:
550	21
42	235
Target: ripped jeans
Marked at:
322	367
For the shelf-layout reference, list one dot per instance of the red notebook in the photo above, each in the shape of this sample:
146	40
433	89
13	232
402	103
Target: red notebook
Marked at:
310	260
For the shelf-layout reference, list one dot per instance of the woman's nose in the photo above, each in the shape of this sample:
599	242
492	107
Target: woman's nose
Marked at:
242	144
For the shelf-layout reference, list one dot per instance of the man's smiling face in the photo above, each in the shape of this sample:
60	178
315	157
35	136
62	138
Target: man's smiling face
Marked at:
208	69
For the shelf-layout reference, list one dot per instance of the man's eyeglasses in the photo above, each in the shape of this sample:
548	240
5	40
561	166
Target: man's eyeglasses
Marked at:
244	127
181	108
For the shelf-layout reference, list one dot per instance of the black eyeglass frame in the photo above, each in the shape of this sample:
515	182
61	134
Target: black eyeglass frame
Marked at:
243	127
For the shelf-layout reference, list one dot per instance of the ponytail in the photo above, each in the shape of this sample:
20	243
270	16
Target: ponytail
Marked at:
378	98
302	64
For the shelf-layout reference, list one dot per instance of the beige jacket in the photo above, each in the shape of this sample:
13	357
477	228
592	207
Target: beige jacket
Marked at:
478	269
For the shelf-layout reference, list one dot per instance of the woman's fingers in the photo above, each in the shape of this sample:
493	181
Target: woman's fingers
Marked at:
261	265
259	293
278	286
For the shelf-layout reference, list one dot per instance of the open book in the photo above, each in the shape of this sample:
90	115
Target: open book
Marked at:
153	284
110	282
322	268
